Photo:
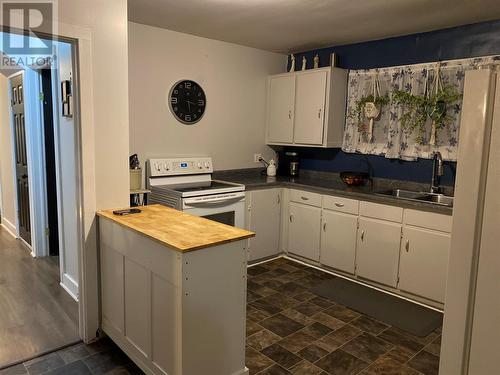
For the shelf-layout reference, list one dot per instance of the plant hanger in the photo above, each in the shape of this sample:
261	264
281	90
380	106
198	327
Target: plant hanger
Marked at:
371	110
437	109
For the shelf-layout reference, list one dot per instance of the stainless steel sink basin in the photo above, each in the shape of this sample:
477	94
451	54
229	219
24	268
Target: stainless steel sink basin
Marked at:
440	199
419	196
403	194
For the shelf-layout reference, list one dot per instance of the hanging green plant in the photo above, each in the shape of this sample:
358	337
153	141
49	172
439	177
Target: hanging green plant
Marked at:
359	109
419	108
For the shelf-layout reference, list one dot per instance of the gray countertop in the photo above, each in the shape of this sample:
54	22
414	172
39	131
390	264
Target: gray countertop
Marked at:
330	184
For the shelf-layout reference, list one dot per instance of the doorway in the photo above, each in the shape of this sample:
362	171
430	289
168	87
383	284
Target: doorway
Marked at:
50	161
39	249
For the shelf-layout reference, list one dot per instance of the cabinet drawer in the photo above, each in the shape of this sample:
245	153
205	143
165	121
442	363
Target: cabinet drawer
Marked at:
305	197
428	220
346	205
381	211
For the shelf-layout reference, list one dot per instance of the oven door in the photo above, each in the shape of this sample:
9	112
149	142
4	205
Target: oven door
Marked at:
226	208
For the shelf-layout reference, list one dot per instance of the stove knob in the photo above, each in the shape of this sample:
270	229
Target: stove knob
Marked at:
207	165
199	166
166	167
157	167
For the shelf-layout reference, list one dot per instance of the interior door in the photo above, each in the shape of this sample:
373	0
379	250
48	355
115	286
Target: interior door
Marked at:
280	109
338	240
377	251
23	204
304	231
310	96
423	266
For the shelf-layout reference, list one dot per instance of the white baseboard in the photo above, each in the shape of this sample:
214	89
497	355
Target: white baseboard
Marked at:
9	227
70	286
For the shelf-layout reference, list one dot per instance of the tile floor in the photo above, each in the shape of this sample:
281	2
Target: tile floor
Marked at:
103	357
289	331
292	331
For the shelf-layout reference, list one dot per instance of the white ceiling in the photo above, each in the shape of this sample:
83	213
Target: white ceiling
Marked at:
298	25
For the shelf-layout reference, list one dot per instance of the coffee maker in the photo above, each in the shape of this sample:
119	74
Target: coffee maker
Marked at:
288	164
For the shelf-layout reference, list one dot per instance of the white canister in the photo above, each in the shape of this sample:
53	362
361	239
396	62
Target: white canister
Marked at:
271	168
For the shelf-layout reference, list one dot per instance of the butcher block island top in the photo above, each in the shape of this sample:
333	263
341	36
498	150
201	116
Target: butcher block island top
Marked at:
176	229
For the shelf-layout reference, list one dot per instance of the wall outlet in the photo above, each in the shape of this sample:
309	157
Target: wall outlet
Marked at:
257	157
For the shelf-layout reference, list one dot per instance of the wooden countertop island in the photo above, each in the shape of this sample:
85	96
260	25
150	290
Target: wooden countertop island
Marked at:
173	291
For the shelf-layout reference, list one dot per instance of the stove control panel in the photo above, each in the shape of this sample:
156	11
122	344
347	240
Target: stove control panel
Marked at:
178	167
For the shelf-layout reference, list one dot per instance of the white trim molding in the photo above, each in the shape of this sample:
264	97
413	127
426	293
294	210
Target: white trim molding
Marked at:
9	227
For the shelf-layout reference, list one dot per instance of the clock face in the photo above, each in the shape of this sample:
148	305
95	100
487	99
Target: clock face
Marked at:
187	101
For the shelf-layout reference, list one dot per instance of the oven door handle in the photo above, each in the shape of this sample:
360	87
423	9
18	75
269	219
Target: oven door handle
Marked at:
214	203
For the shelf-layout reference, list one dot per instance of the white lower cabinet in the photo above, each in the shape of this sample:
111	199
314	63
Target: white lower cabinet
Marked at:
377	252
264	213
424	263
338	240
304	230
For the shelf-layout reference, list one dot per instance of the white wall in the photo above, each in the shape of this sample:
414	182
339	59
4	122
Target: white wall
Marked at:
234	79
6	166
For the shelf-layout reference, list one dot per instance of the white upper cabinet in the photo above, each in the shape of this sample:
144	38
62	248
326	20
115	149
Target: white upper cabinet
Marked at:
307	108
310	95
280	109
264	214
423	265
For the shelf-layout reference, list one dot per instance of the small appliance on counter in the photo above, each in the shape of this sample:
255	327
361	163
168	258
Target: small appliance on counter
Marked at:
289	165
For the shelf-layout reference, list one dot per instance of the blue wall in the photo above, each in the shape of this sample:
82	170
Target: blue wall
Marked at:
481	39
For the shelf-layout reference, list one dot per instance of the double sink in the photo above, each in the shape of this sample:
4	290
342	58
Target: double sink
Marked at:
416	196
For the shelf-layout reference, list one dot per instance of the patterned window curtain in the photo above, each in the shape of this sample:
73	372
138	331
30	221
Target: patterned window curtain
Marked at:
389	139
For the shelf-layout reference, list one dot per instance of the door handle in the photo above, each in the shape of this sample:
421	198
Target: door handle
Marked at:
324	227
362	235
407	246
291	218
304	198
339	204
278	199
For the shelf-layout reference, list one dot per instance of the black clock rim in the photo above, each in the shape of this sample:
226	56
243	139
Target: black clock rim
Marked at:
170	102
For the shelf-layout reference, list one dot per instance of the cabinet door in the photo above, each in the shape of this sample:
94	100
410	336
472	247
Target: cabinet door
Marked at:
264	220
310	96
338	240
423	265
304	230
280	109
377	251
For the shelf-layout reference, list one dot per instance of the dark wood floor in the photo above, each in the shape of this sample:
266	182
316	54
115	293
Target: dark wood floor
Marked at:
36	314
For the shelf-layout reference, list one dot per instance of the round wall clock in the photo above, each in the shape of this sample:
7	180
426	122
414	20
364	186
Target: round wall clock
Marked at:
187	101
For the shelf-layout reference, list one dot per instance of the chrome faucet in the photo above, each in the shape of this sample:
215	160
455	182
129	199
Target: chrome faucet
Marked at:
437	172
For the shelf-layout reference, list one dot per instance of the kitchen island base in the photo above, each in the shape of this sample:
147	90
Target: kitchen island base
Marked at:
173	312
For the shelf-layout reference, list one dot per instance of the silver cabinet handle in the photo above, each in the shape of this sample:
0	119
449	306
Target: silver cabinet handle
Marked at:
407	246
304	198
324	227
339	204
278	199
362	235
291	218
319	113
290	114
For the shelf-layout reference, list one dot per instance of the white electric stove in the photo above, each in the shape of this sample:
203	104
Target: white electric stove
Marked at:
186	184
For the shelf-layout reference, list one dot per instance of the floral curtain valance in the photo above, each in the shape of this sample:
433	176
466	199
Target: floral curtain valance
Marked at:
388	136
